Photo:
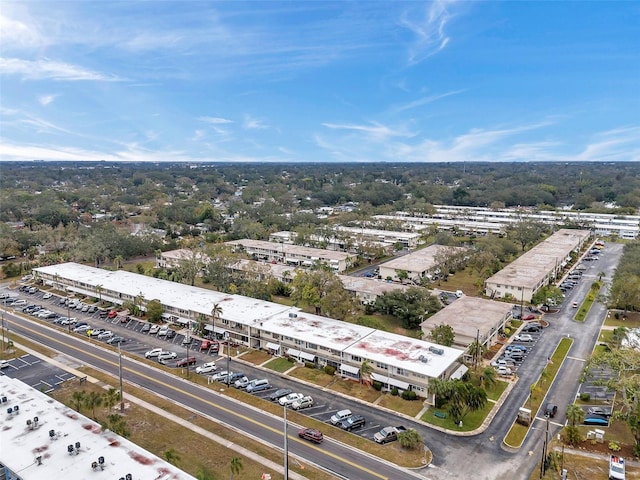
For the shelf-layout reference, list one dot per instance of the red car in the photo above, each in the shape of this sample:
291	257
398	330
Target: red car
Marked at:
311	434
112	314
529	317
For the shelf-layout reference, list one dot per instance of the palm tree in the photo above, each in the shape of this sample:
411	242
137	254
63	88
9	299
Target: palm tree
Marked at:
111	397
99	289
78	399
476	350
93	400
172	456
488	377
575	414
236	466
365	372
118	260
216	311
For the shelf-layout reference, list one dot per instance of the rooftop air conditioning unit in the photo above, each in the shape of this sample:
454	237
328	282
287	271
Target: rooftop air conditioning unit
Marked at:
436	350
423	358
293	315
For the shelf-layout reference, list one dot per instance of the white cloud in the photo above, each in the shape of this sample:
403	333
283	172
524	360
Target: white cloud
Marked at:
48	69
17	34
251	123
375	130
429	31
215	120
47	99
424	101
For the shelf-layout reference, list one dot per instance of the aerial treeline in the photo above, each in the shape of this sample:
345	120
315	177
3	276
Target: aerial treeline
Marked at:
625	289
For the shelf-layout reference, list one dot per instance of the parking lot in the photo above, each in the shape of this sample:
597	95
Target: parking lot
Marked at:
137	340
40	375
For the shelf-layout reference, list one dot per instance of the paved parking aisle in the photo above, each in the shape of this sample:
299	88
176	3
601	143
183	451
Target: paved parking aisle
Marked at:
36	373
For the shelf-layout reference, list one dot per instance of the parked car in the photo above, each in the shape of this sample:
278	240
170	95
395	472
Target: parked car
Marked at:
153	353
354	421
220	376
103	314
340	415
112	314
47	296
241	382
183	362
510	348
165	356
523	337
235	376
304	402
311	434
4	364
92	309
95	332
187	340
154	329
599	411
115	340
617	468
532	328
289	399
85	308
206	367
105	335
163	331
145	328
258	385
574	305
528	316
81	329
278	394
596	420
171	334
504	371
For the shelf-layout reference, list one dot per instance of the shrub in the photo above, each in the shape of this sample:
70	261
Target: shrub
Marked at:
394	391
329	370
377	385
616	315
507	331
614	447
409	395
309	365
585	397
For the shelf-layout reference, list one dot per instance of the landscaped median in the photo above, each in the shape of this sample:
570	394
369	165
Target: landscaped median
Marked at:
581	314
518	432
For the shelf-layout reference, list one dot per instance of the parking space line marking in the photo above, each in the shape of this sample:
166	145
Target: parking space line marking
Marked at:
576	358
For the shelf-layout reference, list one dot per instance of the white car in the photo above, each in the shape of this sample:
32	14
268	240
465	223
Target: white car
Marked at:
206	367
163	331
304	402
68	321
504	371
289	399
47	296
154	329
153	353
4	364
81	328
19	303
43	313
523	337
166	355
105	335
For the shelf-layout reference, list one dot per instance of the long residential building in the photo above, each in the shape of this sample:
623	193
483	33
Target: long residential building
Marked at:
398	361
294	255
538	267
487	220
418	264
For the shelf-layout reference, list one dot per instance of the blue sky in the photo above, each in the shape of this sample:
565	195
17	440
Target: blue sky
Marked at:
315	81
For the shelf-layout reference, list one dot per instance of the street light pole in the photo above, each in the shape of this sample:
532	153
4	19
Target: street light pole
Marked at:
68	316
544	449
228	358
286	446
188	345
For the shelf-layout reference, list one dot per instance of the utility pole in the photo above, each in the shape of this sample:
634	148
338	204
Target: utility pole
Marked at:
543	468
4	305
68	316
120	376
188	345
229	359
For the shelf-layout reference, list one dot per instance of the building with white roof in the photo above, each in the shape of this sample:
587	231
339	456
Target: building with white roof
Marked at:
487	220
294	255
172	258
418	264
277	328
43	439
471	318
538	267
389	238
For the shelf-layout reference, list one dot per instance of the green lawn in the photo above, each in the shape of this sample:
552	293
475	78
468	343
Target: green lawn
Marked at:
279	365
470	422
494	391
588	302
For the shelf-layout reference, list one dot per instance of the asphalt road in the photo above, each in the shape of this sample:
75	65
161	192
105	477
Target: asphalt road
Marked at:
344	461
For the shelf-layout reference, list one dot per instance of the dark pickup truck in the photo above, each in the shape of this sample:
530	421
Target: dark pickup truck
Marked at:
388	434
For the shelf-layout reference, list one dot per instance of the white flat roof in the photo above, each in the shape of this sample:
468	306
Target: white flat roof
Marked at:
531	267
375	232
404	352
22	445
288	249
323	331
369	285
235	308
420	260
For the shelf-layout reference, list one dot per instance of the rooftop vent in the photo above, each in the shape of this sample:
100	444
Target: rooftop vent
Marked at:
436	350
293	315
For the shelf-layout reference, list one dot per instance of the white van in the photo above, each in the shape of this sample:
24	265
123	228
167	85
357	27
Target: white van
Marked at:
257	385
340	416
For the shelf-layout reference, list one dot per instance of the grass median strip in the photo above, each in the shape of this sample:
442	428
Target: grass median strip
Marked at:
538	391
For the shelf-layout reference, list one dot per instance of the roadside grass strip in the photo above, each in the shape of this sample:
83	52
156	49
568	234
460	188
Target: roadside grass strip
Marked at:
518	432
582	312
